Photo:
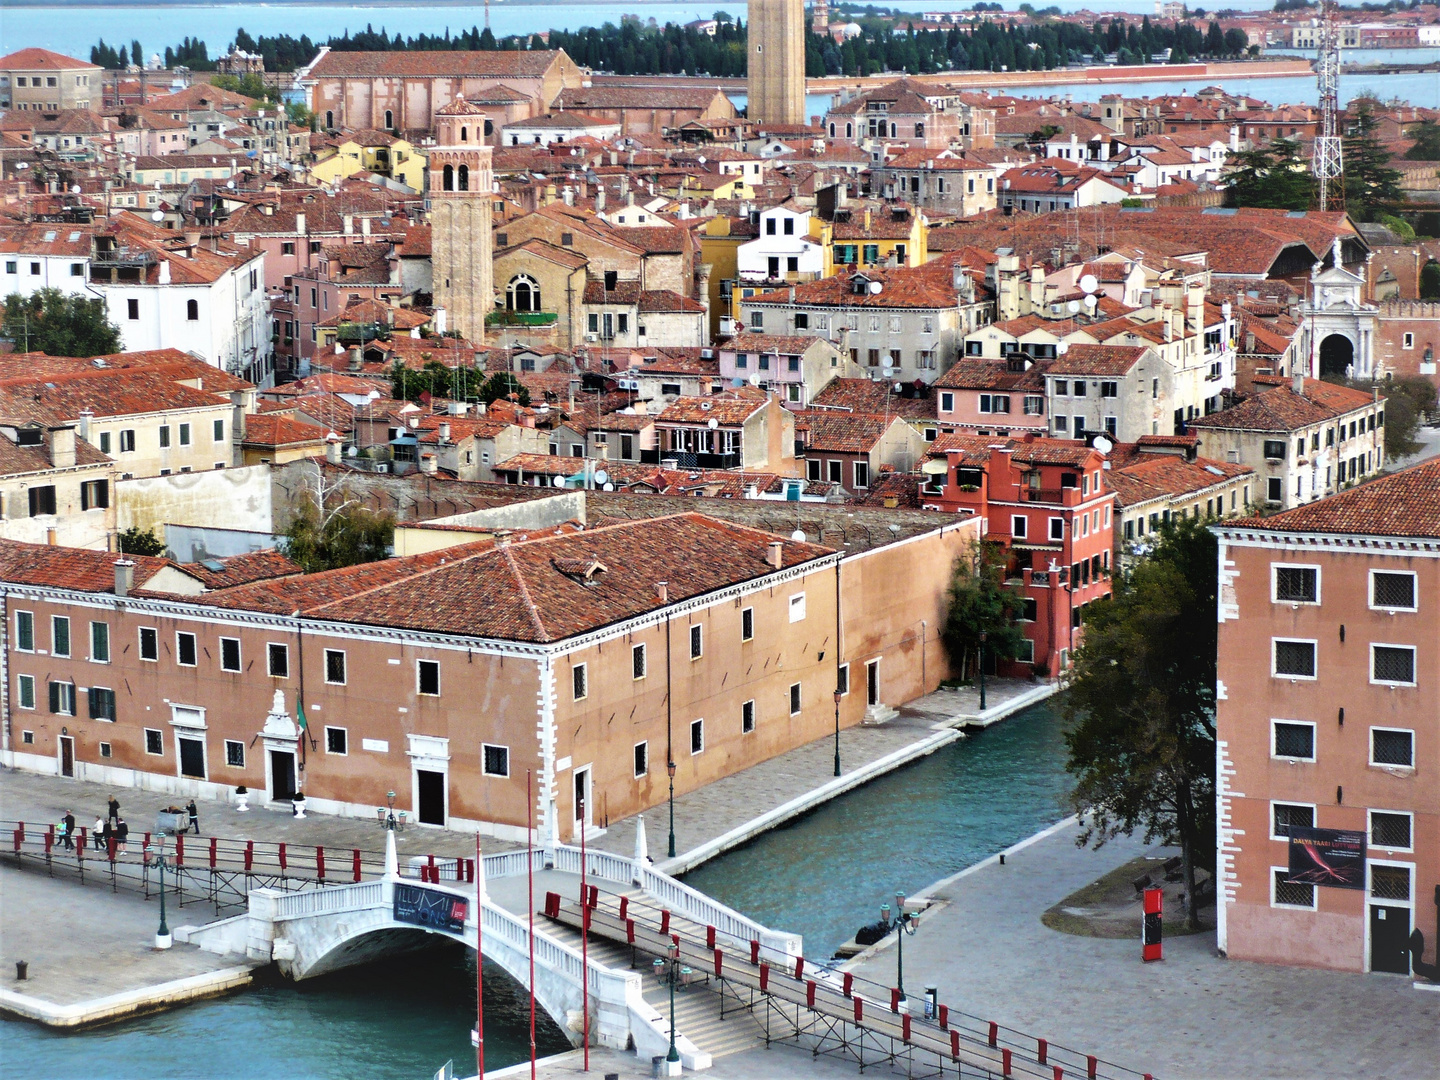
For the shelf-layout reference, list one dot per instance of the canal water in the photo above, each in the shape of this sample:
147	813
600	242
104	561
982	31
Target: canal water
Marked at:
823	875
826	874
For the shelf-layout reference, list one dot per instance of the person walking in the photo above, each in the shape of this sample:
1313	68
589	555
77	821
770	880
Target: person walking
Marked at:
99	834
68	835
194	817
122	833
114	810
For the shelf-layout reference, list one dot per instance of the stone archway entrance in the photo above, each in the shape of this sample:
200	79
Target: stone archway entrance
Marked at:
1337	355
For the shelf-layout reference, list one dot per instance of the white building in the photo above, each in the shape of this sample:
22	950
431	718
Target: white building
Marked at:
785	250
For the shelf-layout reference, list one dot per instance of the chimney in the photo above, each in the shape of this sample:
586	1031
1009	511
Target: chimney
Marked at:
348	225
662	590
237	415
164	272
357	358
1297	383
332	449
124	577
867	219
62	447
600	198
364	226
438	319
428	465
85	417
444	431
774	554
300	223
192	241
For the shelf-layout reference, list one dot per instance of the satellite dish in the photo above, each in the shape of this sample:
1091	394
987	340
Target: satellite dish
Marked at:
701	159
230	184
798	536
1073	306
1089	283
1062	348
754	378
608	487
558	481
899	387
875	288
75	190
1103	444
712	423
158	215
354	451
1090	303
601	476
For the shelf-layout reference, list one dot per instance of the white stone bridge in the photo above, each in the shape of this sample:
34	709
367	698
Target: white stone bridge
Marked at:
326	928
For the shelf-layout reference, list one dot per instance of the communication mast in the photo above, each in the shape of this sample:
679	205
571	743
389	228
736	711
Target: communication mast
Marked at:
1327	164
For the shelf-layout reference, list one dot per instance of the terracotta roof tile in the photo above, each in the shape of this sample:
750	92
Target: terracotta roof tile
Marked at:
1406	503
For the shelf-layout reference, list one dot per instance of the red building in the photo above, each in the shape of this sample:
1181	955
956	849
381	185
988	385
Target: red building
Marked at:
1046	501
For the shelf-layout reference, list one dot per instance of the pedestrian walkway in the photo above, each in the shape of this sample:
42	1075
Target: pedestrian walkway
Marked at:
1193	1015
733	809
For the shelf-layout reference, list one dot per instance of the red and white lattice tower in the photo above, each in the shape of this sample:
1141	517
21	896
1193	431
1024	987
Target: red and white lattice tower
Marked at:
1326	161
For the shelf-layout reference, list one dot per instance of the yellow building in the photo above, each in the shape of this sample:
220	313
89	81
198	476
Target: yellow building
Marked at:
373	151
273	439
874	234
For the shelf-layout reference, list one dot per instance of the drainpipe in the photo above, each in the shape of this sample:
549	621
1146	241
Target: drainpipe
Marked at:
5	687
300	699
549	828
669	742
839	653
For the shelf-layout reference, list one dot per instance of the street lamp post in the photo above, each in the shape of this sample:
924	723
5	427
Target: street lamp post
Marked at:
163	939
670	769
905	925
838	696
983	636
674	1055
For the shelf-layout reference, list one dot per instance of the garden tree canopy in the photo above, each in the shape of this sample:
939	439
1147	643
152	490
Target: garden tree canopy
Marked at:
1427	142
51	322
1273	177
138	541
981	601
1430	281
1142	701
1406	401
457	383
343	536
1370	183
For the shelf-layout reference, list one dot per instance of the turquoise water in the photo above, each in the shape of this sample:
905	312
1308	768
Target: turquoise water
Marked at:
904	831
397	1020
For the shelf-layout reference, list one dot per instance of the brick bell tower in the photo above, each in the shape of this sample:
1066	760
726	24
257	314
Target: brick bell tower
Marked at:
775	80
461	205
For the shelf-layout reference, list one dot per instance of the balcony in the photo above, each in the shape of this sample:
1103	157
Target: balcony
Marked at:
1047	495
522	318
686	460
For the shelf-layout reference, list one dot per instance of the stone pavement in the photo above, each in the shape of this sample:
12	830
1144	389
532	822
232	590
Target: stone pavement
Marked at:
728	804
776	1063
1192	1015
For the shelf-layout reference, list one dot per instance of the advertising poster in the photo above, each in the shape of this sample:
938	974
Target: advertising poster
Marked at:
430	908
1333	857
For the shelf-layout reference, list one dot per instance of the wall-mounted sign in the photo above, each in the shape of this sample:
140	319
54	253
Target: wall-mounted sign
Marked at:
1334	857
430	908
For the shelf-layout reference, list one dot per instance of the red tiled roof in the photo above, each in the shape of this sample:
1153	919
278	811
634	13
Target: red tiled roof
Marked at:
1406	503
42	60
1155	476
70	568
271	431
1282	409
242	569
497	63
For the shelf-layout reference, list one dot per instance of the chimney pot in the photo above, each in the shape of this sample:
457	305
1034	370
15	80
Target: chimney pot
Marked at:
774	554
662	590
124	577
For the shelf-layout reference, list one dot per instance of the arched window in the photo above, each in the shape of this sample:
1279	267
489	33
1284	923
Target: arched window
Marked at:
489	128
522	294
329	119
389	119
192	310
893	128
849	131
449	178
832	130
464	134
464	178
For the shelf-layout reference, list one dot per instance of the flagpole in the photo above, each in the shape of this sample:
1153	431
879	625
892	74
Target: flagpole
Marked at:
584	943
530	885
480	965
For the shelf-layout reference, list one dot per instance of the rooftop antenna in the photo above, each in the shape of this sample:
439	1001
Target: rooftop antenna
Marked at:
1327	165
487	14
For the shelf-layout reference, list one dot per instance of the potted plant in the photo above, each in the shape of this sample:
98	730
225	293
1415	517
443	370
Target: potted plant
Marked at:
242	799
297	804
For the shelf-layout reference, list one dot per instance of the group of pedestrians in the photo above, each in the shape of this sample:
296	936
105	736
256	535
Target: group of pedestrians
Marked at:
112	827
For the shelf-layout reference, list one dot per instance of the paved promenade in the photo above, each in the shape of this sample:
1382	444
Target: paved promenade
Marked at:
1194	1015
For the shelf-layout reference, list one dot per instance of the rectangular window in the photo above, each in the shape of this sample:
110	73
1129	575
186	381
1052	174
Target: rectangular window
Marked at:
277	660
25	685
1285	893
1018	526
132	309
217	432
842	679
100	642
579	682
1392	591
862	474
794	699
1297	584
747	624
797	607
747	717
1391	830
335	667
1392	664
234	753
164	436
1274	449
1057	528
149	643
127	441
697	641
229	654
1294	739
1285	815
25	630
102	703
62	698
494	760
637	661
185	652
1389	882
42	500
1392	746
105	442
697	736
1294	659
154	741
427	676
184	434
60	635
337	741
94	494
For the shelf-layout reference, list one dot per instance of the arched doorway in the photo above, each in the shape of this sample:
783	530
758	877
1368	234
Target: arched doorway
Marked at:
1337	354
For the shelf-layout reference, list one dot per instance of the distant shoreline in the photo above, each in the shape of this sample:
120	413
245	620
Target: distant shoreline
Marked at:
339	5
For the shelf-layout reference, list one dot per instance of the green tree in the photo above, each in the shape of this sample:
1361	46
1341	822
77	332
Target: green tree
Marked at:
1370	183
250	85
1273	176
138	541
51	322
1430	281
501	385
331	531
1142	701
980	601
1407	402
1427	142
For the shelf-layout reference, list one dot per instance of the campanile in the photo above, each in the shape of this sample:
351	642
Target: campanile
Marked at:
775	82
461	208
